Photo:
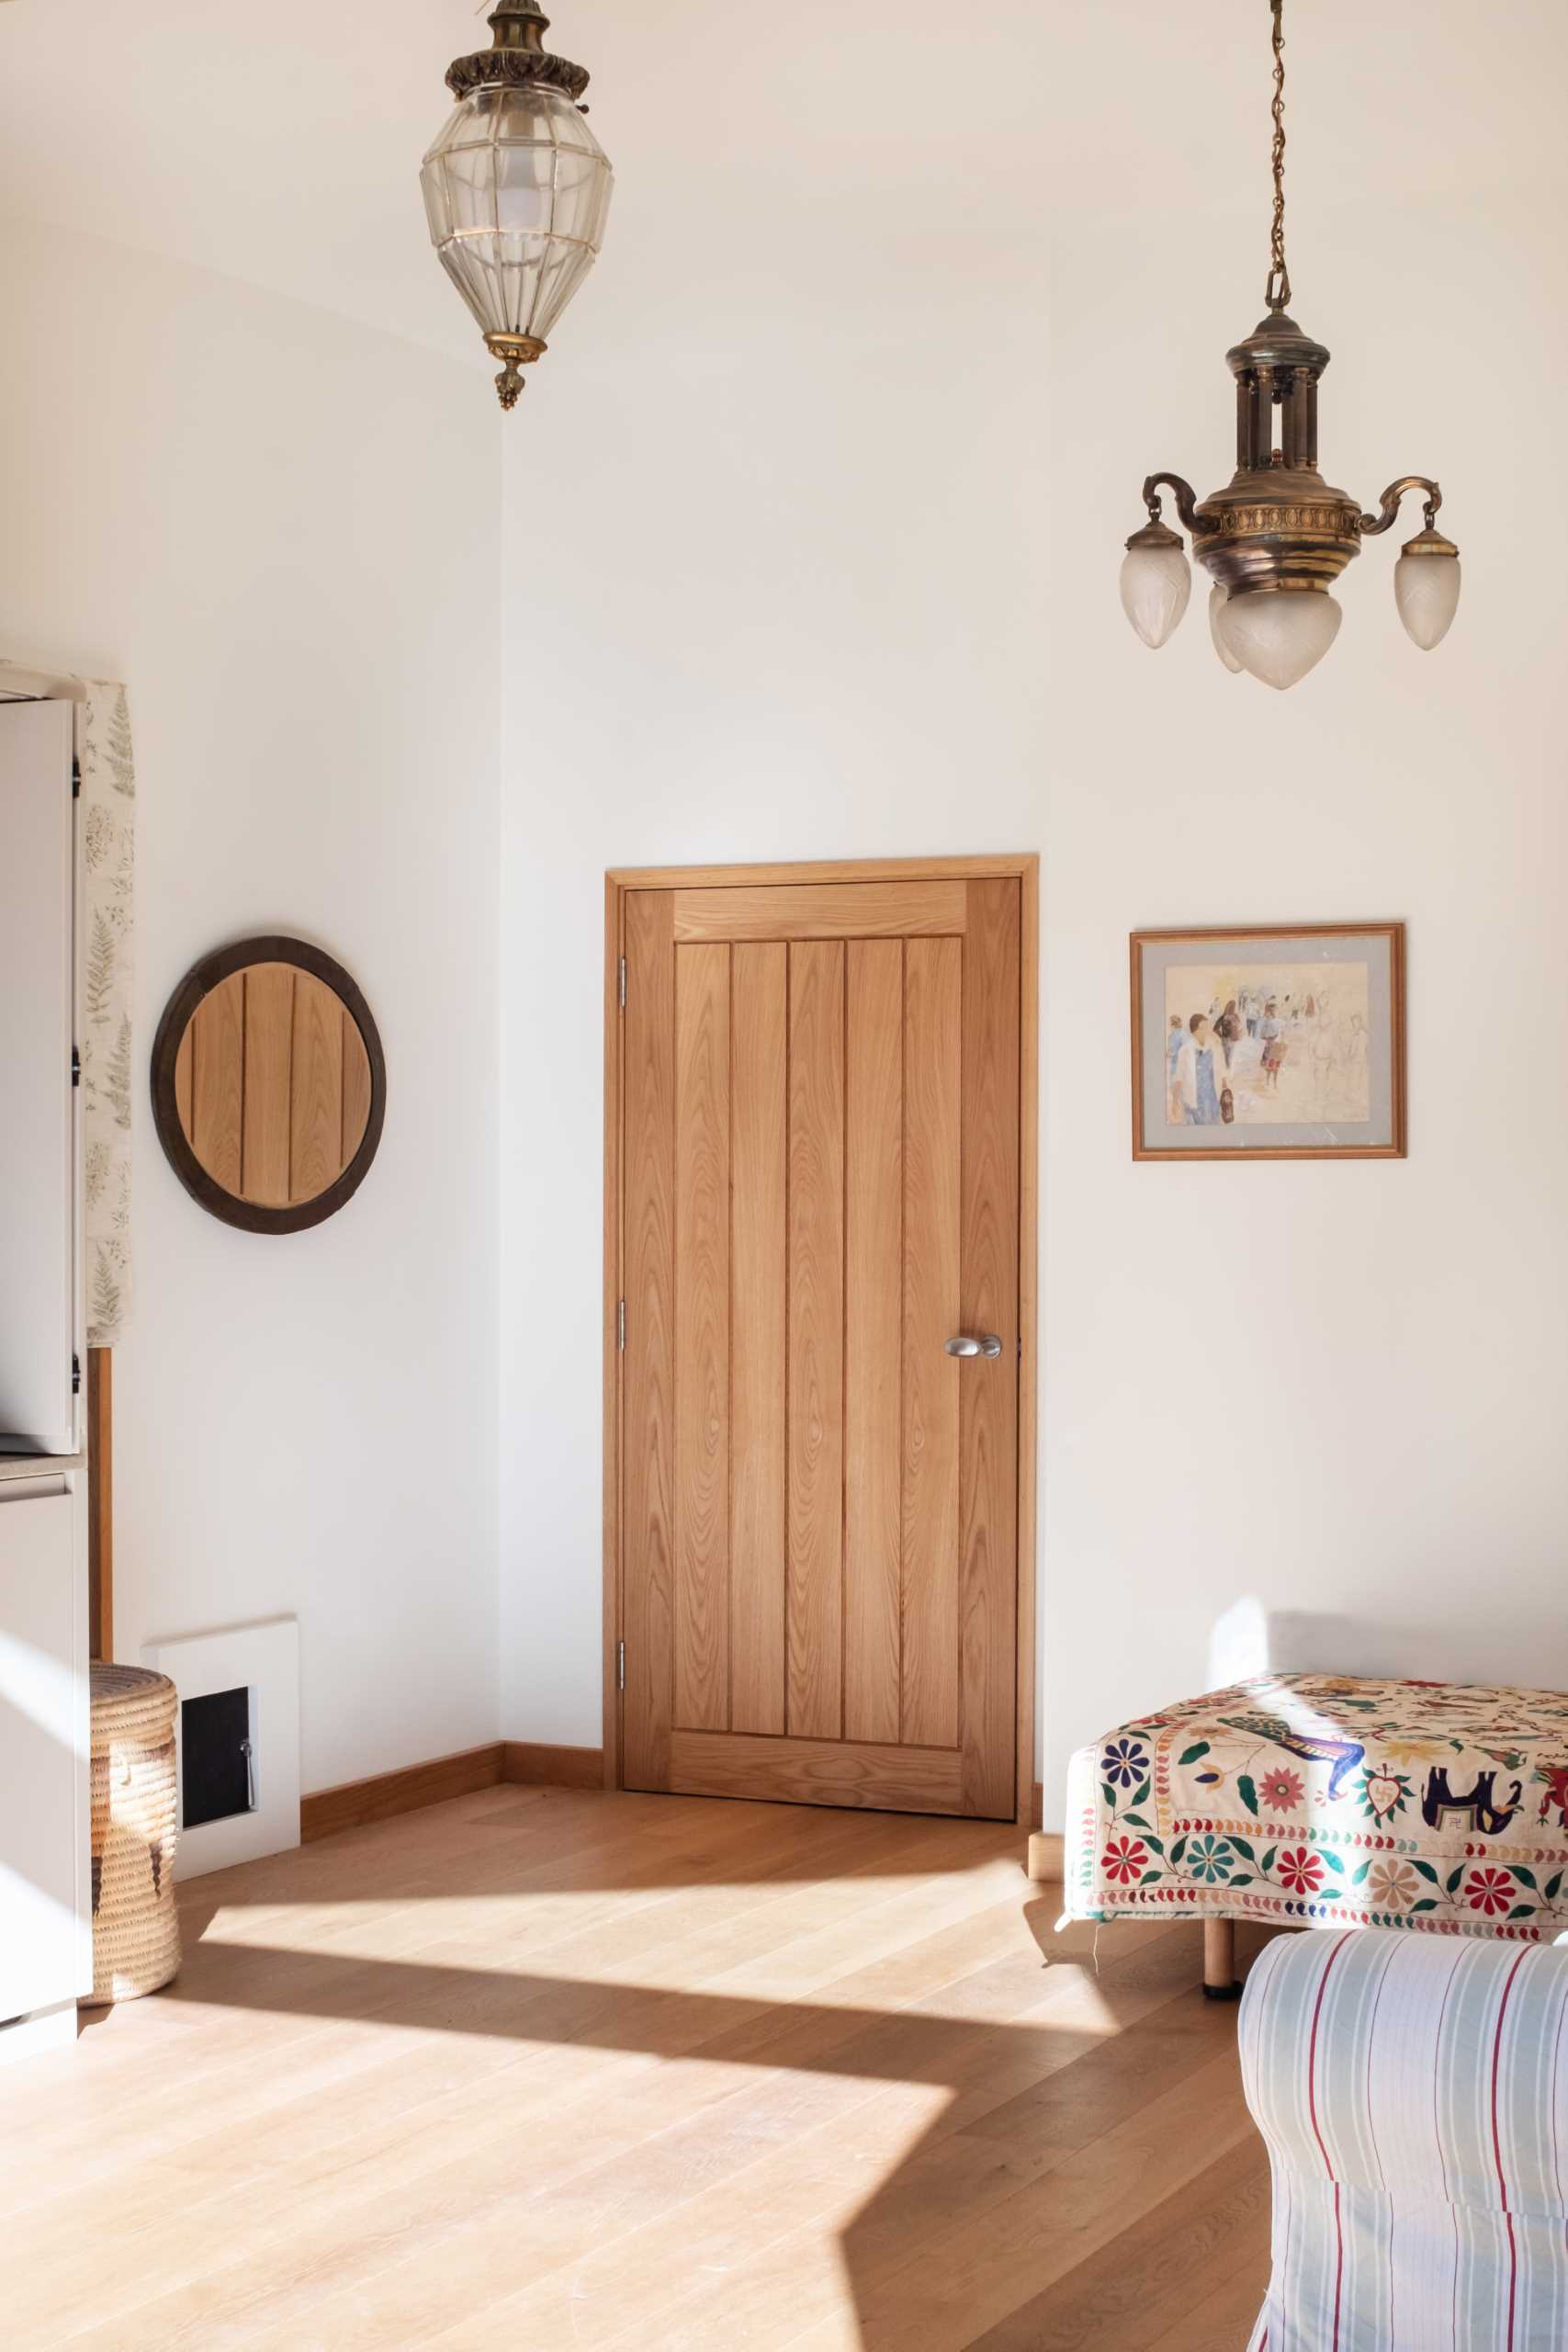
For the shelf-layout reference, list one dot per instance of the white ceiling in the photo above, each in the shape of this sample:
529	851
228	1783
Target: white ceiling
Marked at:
278	141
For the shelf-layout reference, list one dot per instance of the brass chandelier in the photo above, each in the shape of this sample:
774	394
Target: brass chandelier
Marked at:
516	188
1278	536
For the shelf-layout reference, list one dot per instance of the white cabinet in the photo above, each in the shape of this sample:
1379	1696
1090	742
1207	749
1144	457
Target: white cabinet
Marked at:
38	1191
46	1952
46	1949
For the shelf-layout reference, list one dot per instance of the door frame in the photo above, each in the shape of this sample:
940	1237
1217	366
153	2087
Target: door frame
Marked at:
1022	868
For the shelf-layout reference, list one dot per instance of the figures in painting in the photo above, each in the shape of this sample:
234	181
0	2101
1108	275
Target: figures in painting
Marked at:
1228	1029
1195	1072
1272	1029
1174	1038
1284	1043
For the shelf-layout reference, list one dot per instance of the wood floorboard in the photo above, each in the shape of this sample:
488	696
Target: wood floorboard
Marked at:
1217	2219
557	2068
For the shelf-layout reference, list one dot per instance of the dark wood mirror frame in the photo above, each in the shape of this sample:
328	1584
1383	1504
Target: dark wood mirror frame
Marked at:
198	983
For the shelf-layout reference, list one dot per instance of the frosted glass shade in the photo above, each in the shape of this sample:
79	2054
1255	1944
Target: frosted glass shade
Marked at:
1218	599
1279	633
516	190
1426	589
1155	584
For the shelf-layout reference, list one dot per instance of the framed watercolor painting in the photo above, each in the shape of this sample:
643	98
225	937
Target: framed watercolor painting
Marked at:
1282	1044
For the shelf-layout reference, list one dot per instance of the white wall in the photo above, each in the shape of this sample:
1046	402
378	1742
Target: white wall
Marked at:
278	527
814	518
772	593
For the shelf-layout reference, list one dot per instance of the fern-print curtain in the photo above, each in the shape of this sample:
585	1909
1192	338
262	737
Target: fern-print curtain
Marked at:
107	831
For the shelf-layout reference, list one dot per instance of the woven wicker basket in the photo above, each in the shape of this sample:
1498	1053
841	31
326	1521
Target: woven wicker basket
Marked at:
136	1926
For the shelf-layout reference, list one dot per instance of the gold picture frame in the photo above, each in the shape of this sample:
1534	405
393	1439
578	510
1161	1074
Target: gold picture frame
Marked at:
1268	1041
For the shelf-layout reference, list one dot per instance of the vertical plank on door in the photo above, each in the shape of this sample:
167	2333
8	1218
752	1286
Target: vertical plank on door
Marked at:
988	1399
649	1393
873	1337
816	1375
218	1082
269	1025
932	1083
315	1131
759	1035
355	1088
701	1339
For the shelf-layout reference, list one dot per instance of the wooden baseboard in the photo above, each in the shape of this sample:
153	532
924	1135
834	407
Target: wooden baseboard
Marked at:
531	1766
389	1793
386	1794
524	1763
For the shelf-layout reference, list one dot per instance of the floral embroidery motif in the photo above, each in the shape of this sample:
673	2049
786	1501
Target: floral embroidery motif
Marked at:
1393	1886
1126	1859
1124	1763
1488	1891
1281	1791
1301	1872
1210	1859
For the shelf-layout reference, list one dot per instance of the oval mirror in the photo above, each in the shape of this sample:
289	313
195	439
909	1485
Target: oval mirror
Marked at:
269	1085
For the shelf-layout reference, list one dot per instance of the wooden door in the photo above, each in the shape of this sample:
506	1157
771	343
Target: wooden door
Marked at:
820	1186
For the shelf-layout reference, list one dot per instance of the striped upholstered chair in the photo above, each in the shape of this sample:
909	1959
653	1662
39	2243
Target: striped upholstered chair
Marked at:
1414	2097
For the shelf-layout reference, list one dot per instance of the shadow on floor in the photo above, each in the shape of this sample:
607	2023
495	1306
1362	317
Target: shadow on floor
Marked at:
1067	2226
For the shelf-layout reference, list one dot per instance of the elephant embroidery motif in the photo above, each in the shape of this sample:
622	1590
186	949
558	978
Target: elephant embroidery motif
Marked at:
1479	1808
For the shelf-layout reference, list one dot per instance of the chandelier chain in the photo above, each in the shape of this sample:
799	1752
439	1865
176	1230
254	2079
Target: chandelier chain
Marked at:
1279	290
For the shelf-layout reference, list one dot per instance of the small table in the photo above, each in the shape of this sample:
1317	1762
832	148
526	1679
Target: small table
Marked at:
1324	1800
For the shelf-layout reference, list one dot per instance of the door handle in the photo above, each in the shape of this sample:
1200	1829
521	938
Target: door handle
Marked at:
965	1346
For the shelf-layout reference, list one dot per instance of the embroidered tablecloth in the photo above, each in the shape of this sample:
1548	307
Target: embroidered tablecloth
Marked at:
1330	1800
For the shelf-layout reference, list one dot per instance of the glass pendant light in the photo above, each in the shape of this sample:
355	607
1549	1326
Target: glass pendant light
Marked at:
1218	599
1425	587
516	188
1278	537
1157	580
1279	633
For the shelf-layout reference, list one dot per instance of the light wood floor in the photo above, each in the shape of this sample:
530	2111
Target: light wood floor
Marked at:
539	2070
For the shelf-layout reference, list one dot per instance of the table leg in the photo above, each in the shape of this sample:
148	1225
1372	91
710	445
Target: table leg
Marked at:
1219	1960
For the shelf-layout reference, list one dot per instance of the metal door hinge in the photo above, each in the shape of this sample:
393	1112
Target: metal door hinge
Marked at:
621	1324
75	1066
620	1665
75	777
76	1375
621	984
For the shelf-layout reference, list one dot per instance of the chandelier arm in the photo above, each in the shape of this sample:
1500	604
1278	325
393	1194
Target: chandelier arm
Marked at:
1388	507
1186	498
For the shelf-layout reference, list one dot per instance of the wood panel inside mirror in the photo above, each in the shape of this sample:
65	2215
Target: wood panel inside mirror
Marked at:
272	1085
